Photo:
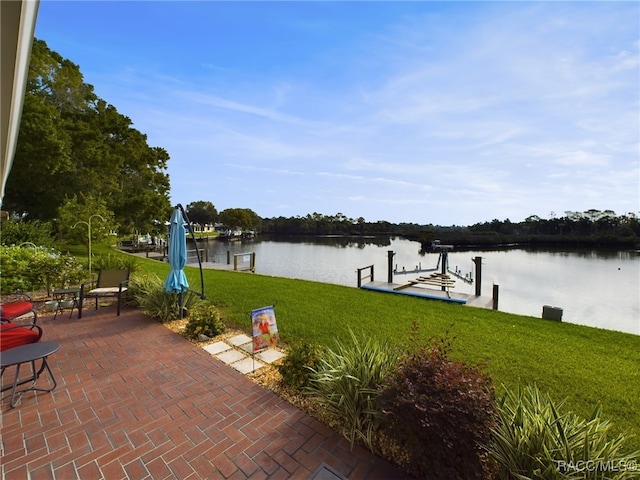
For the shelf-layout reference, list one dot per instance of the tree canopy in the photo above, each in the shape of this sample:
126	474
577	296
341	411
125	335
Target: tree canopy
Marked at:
202	212
243	218
72	142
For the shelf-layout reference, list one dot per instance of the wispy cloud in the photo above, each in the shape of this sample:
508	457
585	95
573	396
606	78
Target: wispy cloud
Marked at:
233	106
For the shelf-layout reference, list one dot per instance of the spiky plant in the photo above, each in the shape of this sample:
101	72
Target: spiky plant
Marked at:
148	293
534	439
345	382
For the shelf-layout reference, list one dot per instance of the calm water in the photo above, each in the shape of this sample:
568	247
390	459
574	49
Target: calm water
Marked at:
595	288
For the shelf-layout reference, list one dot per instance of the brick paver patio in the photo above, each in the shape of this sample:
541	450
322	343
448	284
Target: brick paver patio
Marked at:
137	401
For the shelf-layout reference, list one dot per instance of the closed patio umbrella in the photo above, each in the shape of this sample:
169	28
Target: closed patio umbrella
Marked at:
176	281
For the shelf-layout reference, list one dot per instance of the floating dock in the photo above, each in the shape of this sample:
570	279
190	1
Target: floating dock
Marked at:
430	294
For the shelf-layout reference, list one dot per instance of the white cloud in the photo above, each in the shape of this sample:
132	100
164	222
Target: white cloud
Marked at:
580	158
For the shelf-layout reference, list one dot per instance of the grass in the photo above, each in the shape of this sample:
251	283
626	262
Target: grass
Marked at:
588	366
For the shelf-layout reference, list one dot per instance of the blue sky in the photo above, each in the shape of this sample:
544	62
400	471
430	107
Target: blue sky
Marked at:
449	113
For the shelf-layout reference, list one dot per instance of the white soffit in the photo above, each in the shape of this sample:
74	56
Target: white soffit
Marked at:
18	23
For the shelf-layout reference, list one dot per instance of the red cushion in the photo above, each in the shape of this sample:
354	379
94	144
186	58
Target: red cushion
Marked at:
16	336
14	309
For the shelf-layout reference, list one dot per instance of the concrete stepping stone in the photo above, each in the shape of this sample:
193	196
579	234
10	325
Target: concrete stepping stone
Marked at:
217	347
230	356
242	357
239	340
270	355
247	365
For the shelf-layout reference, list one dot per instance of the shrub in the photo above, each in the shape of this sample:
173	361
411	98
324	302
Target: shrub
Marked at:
19	232
31	268
534	440
148	293
204	318
439	412
109	261
296	366
346	382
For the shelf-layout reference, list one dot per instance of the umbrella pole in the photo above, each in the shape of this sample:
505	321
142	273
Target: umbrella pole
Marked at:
193	236
180	304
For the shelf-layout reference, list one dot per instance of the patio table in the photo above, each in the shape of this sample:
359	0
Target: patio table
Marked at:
27	354
65	297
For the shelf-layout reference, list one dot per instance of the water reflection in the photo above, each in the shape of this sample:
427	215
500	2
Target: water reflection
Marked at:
329	240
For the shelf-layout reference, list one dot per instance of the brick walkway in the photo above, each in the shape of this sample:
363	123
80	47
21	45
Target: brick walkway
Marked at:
136	401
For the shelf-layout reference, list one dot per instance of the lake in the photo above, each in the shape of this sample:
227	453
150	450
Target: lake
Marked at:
595	288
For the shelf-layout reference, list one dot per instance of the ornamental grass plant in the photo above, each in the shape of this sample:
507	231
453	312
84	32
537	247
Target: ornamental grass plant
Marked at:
538	439
115	261
345	382
148	293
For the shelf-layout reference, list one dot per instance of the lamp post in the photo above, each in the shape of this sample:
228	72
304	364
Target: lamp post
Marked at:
88	224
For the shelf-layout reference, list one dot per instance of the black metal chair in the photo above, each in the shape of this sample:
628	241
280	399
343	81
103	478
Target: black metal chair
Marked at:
110	283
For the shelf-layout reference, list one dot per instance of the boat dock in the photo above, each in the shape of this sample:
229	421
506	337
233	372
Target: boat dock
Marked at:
437	285
430	294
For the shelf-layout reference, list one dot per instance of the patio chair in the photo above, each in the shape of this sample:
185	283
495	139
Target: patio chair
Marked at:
24	306
14	335
15	330
110	283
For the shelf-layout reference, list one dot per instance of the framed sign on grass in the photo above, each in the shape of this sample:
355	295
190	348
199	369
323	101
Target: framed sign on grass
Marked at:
264	327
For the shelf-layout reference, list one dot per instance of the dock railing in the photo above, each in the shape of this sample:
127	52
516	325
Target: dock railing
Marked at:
193	254
243	261
364	277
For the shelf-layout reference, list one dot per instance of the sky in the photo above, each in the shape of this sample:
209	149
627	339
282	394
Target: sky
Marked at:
444	113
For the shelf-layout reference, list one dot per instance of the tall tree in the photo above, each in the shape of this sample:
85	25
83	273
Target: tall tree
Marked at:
243	218
71	141
202	212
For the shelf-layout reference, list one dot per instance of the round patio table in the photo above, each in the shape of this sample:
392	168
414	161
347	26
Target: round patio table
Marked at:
28	354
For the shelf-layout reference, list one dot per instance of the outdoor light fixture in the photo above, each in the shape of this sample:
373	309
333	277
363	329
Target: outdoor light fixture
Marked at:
88	224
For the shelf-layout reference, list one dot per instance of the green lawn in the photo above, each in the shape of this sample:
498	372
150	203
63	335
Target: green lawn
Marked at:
585	365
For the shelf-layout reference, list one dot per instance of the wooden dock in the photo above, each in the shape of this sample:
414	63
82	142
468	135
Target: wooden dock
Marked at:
430	294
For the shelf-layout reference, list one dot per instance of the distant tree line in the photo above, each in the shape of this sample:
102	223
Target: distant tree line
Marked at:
592	228
319	224
589	228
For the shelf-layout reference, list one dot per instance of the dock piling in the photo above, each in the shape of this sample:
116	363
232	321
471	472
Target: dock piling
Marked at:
390	254
478	262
